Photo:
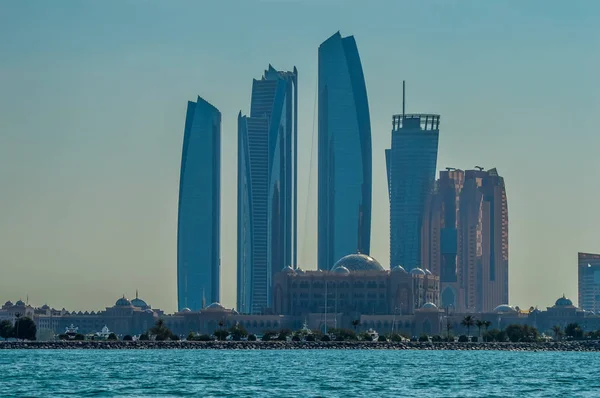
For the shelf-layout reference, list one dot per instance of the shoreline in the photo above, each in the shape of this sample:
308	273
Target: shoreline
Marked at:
588	346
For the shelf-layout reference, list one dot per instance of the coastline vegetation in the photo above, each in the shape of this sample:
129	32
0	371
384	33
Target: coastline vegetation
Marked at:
25	329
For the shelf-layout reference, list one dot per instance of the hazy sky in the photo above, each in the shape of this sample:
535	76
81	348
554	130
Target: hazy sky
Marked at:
92	107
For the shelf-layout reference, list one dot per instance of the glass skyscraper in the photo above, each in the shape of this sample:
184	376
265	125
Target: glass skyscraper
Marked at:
198	229
411	164
267	180
345	177
588	266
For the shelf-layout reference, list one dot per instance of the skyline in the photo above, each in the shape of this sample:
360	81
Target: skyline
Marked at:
68	165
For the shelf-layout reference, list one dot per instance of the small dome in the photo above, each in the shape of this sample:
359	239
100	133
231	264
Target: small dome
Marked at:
215	307
417	271
429	307
299	271
341	270
45	307
563	302
427	272
8	304
186	309
20	303
139	303
288	270
399	268
504	309
123	302
358	262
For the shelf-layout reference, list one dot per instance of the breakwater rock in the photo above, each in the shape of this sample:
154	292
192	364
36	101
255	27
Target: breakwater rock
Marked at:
292	345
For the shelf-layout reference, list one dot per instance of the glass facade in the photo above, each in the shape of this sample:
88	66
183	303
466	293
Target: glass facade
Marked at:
345	176
267	179
198	227
588	265
411	164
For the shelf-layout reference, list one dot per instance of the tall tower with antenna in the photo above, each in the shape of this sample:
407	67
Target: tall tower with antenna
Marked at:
411	164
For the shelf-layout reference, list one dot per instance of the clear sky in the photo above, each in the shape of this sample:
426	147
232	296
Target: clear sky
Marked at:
92	107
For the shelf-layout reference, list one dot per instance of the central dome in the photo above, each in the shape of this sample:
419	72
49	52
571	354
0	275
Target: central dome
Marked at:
215	307
358	262
504	309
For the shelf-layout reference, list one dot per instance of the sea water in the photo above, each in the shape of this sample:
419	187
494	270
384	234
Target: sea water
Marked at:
302	373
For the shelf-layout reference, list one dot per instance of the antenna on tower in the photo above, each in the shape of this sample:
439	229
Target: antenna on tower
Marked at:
403	98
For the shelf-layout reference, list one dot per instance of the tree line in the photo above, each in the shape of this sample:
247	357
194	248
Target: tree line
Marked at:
23	329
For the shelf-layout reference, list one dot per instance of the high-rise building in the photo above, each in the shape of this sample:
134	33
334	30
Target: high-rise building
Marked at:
465	239
589	281
345	176
199	223
439	242
267	180
411	164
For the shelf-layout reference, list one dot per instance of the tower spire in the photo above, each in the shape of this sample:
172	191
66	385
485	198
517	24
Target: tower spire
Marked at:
403	99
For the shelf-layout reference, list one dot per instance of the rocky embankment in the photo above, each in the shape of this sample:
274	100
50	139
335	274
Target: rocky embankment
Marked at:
286	345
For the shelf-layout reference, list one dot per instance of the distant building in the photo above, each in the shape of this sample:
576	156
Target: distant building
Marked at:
11	312
199	217
465	239
356	285
588	266
439	249
267	180
411	164
125	317
345	175
403	292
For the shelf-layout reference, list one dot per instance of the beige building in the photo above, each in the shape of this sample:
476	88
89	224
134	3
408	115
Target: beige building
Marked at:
465	239
357	284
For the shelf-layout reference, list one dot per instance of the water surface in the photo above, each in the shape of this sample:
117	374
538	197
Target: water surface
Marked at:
302	373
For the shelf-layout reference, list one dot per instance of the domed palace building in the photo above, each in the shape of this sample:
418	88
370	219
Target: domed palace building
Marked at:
356	285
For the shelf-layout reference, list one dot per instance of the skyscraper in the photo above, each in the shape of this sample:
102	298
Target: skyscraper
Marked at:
267	179
411	164
345	180
588	266
199	224
465	239
439	243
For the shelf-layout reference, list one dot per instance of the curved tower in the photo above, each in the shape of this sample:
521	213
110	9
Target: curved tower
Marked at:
198	225
344	187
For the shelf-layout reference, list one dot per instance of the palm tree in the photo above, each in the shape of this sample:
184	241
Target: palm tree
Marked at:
356	323
486	324
468	322
557	331
479	323
448	327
